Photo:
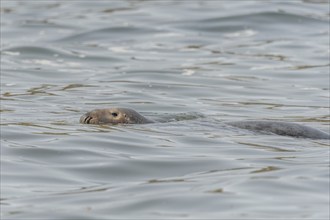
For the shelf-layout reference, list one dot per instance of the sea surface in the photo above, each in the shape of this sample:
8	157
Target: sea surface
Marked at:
191	64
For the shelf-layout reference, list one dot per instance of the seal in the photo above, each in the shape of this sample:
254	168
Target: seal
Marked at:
281	128
114	116
130	116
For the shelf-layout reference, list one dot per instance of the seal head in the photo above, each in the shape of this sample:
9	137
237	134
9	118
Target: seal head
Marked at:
113	116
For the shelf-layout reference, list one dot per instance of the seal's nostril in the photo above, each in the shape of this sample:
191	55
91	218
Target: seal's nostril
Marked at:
86	119
89	119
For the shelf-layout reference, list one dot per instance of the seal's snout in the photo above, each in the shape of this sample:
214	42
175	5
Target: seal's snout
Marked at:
86	118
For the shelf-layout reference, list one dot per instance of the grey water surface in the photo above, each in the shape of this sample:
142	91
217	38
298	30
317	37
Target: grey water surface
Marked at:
196	63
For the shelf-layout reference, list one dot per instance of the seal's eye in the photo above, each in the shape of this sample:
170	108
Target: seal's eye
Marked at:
114	114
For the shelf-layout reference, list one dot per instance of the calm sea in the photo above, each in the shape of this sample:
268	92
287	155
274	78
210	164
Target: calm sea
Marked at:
195	63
